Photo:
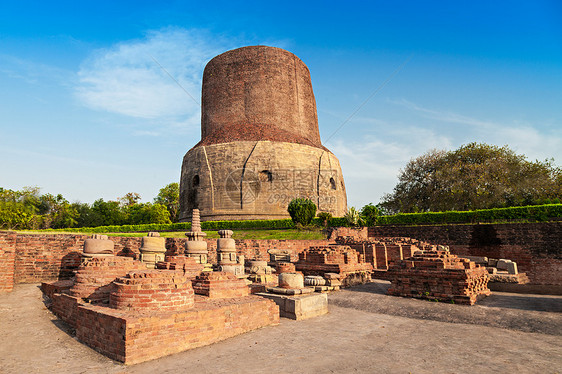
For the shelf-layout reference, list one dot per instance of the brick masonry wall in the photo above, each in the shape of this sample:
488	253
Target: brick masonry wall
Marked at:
46	257
133	337
536	247
7	261
252	249
33	258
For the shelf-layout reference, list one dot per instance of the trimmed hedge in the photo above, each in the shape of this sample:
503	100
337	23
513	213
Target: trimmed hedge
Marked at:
530	213
254	224
130	228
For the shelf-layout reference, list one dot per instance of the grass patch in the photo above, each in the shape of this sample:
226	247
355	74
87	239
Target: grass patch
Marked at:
279	234
288	234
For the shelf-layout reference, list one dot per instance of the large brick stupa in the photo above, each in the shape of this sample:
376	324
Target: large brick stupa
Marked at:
260	143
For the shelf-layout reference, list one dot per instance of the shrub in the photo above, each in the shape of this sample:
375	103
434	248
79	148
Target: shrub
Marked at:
353	217
302	211
370	214
325	218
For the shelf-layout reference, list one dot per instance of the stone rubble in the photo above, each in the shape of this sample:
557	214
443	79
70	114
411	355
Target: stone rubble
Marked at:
440	276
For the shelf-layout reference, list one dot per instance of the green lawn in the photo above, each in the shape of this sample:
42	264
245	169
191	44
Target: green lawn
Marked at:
285	234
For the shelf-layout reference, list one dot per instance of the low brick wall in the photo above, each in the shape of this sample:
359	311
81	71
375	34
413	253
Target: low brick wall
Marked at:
536	247
30	258
33	258
136	337
7	261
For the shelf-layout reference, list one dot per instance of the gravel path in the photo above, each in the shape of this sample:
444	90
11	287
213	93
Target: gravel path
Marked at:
365	332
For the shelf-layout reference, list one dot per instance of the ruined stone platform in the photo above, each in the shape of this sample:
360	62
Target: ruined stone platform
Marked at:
336	259
132	337
301	306
133	314
438	275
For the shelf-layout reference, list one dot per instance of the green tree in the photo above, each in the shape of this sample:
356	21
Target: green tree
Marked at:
325	217
169	196
57	212
130	198
147	213
475	176
18	209
302	211
106	213
370	214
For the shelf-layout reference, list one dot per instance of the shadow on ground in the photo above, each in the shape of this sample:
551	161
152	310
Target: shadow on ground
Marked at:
527	313
539	303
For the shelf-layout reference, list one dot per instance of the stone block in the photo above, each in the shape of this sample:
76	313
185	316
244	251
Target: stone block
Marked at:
314	280
502	264
512	267
300	307
477	259
333	283
279	255
291	280
492	262
332	275
325	288
98	246
507	265
291	291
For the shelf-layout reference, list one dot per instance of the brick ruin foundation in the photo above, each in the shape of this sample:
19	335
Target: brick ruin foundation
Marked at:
133	311
534	246
336	259
423	270
381	252
438	275
133	314
33	258
117	305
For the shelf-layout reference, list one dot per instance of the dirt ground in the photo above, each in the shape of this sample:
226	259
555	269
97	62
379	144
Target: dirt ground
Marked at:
365	332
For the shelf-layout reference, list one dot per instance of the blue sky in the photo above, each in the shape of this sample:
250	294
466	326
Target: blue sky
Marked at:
86	111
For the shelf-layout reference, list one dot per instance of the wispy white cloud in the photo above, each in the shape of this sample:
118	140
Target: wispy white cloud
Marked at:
30	71
444	116
50	155
372	160
146	133
129	77
371	164
528	139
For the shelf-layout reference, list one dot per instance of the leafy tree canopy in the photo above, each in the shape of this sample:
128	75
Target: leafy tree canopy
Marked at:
169	196
29	209
302	211
475	176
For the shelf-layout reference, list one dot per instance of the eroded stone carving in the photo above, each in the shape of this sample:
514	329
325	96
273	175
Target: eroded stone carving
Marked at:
195	246
260	272
227	259
279	255
153	249
98	246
